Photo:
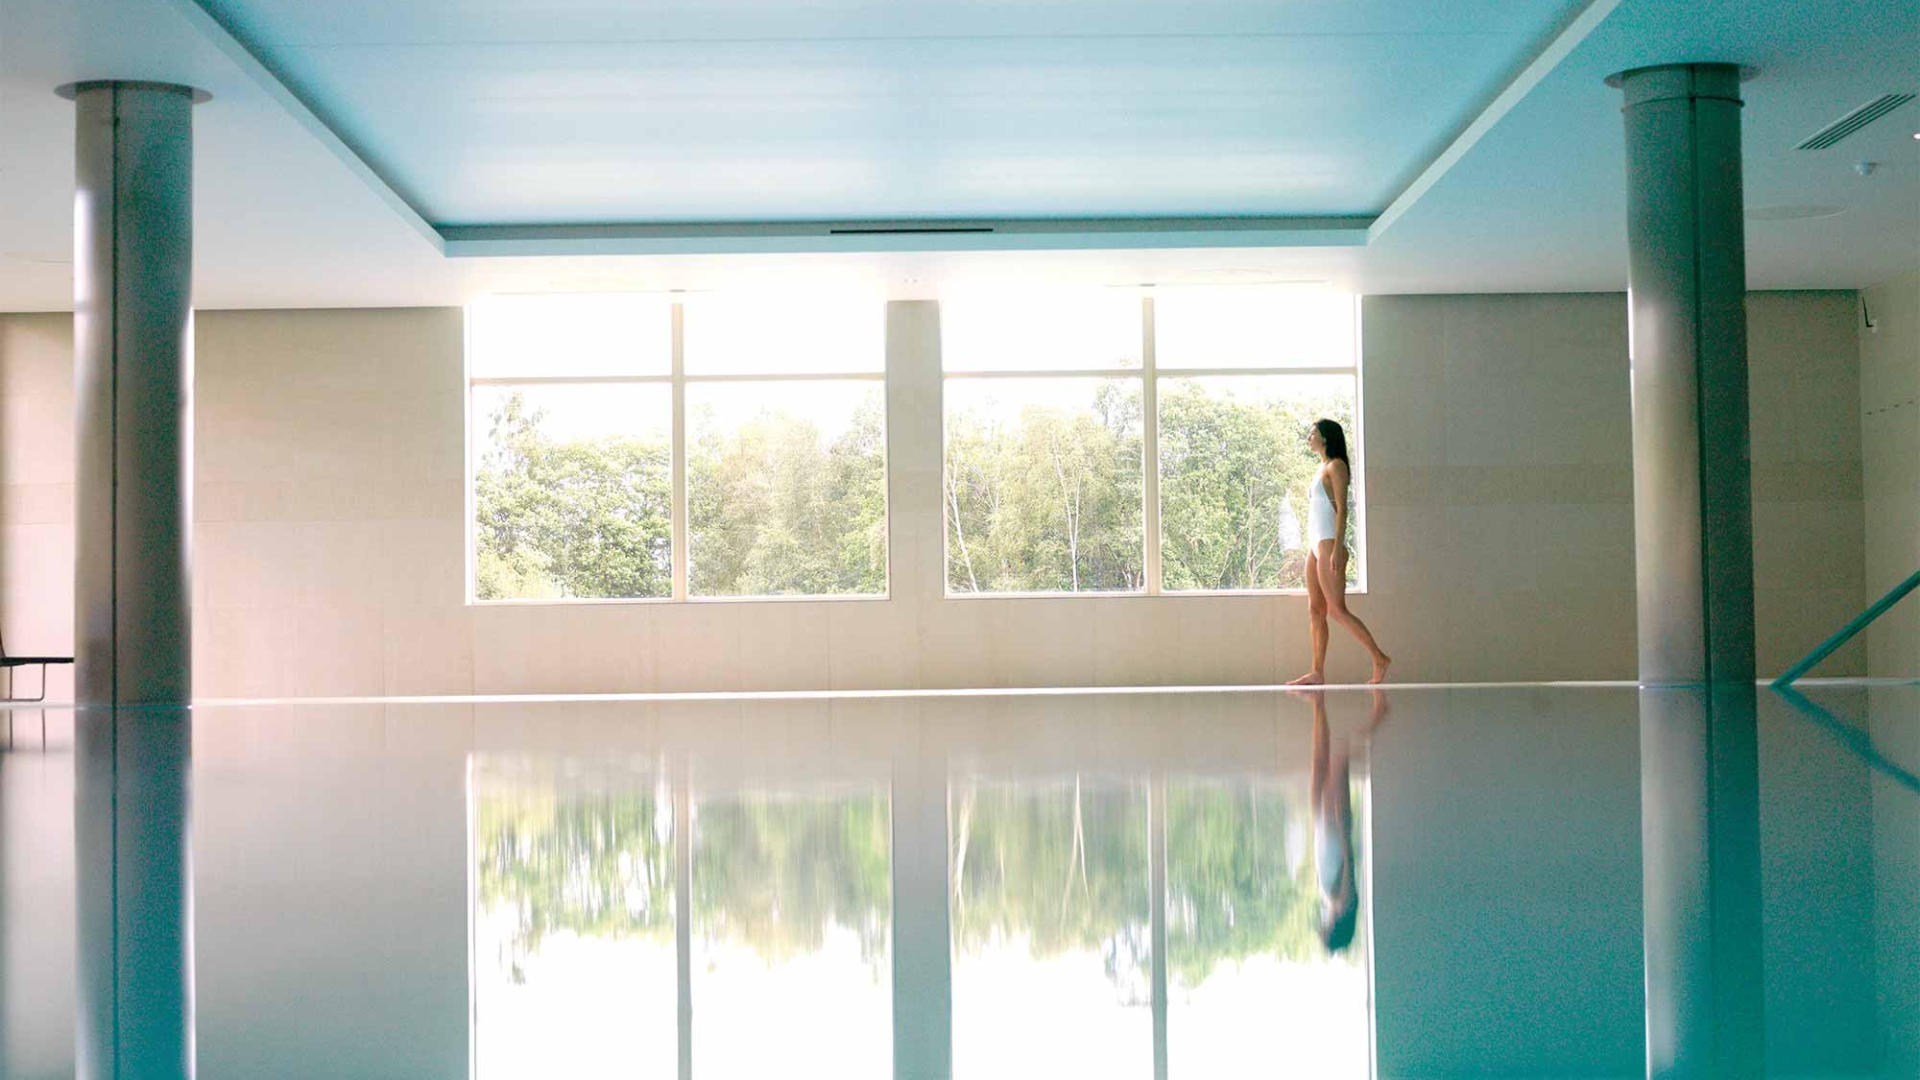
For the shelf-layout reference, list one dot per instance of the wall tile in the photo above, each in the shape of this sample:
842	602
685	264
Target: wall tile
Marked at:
865	645
331	505
428	651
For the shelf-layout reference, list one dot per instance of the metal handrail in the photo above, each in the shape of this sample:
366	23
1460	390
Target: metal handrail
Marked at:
1846	633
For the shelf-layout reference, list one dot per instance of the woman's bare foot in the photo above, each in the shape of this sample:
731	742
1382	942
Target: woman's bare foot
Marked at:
1311	678
1380	667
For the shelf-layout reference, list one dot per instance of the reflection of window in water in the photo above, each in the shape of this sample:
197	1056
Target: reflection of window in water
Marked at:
574	964
1250	984
1051	928
575	950
792	914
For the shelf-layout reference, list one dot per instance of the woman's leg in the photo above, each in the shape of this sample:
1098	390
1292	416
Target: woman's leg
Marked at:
1316	626
1334	587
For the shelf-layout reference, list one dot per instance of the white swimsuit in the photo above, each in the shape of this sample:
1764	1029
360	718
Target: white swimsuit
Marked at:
1319	513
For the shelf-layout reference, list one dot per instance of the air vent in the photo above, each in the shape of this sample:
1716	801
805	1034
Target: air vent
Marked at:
927	230
1854	121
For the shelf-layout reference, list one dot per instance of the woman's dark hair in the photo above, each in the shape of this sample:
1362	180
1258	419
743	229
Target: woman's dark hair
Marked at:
1335	437
1337	933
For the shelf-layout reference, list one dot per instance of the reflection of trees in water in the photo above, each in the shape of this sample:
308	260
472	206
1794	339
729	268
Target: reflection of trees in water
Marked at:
1231	891
596	865
1061	866
771	874
777	874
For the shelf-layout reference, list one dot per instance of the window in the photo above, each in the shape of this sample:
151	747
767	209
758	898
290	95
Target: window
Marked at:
1054	402
1043	443
656	447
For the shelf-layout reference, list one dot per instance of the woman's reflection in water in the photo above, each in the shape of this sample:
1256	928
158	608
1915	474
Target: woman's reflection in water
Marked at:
1330	801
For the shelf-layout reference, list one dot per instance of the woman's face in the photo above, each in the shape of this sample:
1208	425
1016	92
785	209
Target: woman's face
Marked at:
1315	442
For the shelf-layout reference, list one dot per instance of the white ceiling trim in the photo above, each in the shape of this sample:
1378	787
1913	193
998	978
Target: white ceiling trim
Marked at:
1558	45
223	38
851	237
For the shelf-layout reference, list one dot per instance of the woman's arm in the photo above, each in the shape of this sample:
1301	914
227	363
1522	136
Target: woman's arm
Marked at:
1340	475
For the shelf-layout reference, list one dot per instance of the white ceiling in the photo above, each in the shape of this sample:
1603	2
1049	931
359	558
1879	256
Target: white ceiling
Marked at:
514	111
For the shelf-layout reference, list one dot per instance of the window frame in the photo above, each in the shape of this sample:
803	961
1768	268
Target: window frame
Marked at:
1150	373
678	380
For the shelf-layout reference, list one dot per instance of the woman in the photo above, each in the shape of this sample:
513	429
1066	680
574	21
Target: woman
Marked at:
1327	554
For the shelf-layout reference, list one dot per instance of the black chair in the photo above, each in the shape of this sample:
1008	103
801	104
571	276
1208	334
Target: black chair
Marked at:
9	663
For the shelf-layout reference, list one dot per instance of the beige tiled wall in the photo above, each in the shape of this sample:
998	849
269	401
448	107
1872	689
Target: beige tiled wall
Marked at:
1500	483
36	495
1890	438
1808	514
330	549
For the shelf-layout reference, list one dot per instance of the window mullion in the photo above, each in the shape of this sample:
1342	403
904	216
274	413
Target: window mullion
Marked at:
677	530
1150	446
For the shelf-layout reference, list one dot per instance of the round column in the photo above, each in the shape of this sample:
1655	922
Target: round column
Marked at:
1693	549
133	382
1687	288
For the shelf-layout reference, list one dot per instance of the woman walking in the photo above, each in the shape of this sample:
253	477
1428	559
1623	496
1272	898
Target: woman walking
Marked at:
1327	554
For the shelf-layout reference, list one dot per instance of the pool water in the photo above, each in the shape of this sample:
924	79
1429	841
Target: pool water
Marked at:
1545	881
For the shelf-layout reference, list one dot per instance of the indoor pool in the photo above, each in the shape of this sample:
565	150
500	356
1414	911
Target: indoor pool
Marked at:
1543	881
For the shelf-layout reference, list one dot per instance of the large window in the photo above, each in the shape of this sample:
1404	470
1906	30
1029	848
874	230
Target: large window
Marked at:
657	447
1056	401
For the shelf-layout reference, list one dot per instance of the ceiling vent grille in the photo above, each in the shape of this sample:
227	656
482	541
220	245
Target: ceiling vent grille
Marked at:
1854	121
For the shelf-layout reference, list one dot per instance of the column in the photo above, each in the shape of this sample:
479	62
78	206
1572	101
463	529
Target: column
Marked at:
1693	547
1686	288
133	374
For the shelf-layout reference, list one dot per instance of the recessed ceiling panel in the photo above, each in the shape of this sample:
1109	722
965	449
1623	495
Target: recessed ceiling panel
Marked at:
591	113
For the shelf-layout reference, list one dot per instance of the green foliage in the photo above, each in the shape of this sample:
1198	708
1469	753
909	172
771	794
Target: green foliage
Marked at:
1230	894
1047	501
582	518
1228	466
594	865
1060	866
773	509
775	874
1050	502
1063	866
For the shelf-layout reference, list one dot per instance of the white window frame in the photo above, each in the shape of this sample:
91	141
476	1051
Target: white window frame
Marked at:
678	379
1150	374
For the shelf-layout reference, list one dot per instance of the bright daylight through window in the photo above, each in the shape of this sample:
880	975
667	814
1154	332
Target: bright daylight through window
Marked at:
655	447
1055	400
